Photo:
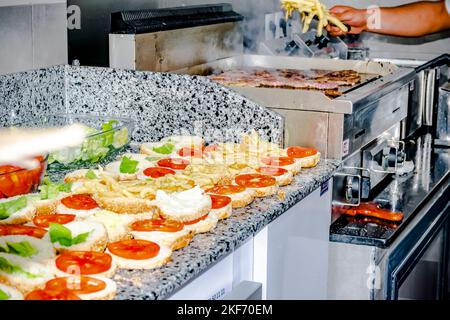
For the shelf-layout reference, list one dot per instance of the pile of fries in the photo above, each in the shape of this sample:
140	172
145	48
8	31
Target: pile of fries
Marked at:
308	10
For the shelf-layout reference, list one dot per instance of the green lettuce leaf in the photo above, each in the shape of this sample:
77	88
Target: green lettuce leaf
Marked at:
152	159
10	268
164	149
23	249
91	175
11	207
4	295
50	190
128	166
62	235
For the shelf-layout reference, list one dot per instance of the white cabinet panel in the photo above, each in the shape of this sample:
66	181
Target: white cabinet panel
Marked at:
295	264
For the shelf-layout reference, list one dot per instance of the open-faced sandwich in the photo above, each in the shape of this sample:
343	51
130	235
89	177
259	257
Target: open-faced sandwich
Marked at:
16	210
139	254
78	236
22	273
167	233
183	206
85	287
86	263
240	196
308	157
35	249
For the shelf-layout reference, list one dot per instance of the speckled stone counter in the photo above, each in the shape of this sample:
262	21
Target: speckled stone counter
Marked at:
160	104
208	248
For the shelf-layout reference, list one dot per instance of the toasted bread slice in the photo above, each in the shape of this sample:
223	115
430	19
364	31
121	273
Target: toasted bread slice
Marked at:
284	179
173	240
96	240
24	275
38	250
80	175
223	213
21	216
161	259
126	205
241	199
266	191
311	161
80	214
12	294
118	225
114	169
204	225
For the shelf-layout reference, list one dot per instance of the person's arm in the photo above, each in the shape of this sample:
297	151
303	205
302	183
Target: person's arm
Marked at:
410	20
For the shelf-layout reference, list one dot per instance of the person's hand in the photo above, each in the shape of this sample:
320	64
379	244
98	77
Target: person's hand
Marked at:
355	18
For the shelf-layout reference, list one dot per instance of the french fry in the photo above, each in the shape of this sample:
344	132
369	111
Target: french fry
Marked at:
308	10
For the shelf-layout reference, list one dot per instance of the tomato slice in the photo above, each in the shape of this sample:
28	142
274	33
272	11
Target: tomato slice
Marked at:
157	225
52	295
255	180
278	161
211	148
76	284
196	220
157	172
173	163
134	249
80	202
272	171
190	152
219	202
84	262
45	220
226	189
301	152
14	230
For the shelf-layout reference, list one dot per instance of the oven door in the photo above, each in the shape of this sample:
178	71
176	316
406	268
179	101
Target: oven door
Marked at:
417	269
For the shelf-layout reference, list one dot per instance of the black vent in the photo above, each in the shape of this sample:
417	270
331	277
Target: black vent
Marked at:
153	20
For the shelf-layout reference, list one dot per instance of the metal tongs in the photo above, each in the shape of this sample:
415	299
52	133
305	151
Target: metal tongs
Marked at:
19	146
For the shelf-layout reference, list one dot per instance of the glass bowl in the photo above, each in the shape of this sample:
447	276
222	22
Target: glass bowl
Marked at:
106	138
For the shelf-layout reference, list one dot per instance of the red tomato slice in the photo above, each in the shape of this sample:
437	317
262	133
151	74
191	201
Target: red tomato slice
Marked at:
255	180
84	262
14	230
272	171
219	202
80	202
278	161
172	163
52	295
195	221
157	172
226	189
157	225
45	220
211	148
190	152
301	152
76	284
134	249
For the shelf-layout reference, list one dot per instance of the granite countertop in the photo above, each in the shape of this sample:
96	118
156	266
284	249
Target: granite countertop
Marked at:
208	248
